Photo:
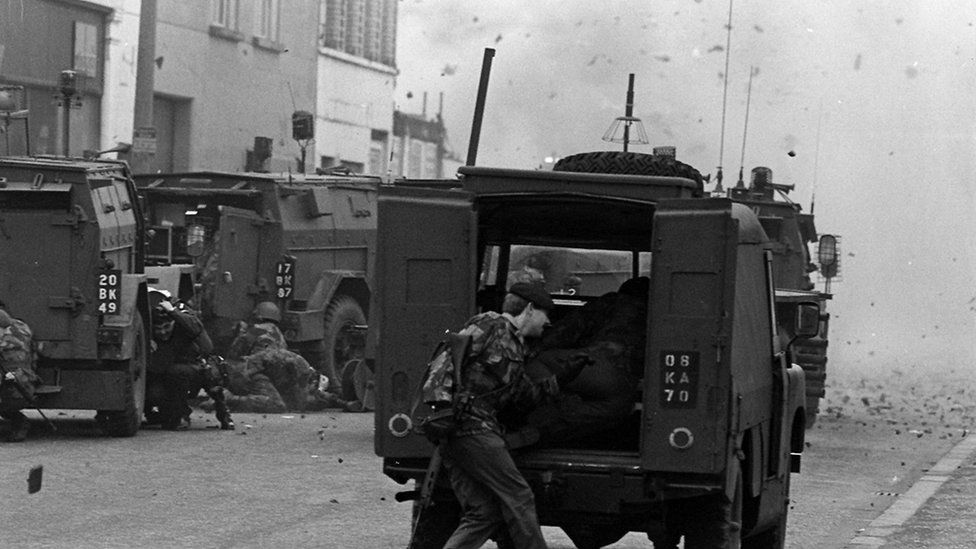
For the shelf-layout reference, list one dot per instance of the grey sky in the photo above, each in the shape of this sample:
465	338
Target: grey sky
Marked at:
890	85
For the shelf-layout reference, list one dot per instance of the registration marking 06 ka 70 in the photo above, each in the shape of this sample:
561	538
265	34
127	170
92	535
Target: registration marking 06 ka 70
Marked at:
679	379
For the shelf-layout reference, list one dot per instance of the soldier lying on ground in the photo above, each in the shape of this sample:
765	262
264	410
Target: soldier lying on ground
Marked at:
269	381
264	376
611	331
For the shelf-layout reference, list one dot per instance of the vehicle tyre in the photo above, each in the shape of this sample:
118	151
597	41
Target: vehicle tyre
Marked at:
126	422
775	537
340	342
718	521
811	355
628	163
591	536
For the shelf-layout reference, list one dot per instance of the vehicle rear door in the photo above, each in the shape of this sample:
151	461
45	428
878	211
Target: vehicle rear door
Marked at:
686	381
235	269
38	228
425	284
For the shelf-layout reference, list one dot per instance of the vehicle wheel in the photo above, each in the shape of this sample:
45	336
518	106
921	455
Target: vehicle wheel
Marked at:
811	355
628	163
718	522
590	536
775	537
342	343
126	422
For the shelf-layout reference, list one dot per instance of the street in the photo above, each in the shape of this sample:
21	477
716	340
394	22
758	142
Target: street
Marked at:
313	480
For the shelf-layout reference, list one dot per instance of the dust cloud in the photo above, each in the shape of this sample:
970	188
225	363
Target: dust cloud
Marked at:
868	108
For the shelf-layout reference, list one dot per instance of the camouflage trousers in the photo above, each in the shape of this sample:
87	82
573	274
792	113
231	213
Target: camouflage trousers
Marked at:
271	381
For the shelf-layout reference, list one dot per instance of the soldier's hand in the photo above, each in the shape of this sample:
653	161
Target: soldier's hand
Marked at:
167	306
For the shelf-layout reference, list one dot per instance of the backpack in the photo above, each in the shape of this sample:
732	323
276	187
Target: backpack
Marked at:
439	397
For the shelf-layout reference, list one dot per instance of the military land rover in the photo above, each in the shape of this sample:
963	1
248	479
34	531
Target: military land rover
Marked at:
715	425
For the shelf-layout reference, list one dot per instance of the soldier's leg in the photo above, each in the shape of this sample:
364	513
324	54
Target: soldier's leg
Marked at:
210	379
179	380
19	426
220	407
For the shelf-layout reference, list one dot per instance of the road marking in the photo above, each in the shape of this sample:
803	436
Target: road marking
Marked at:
907	505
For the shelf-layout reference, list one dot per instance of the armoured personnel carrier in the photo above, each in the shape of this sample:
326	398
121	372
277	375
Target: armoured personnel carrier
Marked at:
72	268
715	423
228	241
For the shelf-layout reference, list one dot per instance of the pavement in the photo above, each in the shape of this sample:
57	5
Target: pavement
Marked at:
939	510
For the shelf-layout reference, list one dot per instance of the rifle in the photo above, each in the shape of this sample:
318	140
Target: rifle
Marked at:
7	376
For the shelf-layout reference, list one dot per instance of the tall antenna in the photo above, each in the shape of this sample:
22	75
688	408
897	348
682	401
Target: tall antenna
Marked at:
725	93
745	129
816	159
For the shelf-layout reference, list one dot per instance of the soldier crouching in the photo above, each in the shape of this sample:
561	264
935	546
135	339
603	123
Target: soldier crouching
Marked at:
181	365
17	378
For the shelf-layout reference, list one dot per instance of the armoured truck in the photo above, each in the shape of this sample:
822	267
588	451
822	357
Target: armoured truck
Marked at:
72	268
227	241
716	422
792	232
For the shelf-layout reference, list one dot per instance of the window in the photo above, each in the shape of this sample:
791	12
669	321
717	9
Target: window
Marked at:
267	20
225	13
86	49
363	28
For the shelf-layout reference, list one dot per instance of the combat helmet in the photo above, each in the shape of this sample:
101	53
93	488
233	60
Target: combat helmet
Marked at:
268	311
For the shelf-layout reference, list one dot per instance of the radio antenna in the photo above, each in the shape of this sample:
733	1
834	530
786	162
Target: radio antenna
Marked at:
816	160
725	94
745	129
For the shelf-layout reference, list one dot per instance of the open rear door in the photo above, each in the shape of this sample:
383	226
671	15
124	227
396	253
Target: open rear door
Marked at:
236	273
686	380
425	284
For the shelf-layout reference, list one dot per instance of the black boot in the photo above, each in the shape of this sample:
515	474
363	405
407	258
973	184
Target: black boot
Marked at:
19	426
220	409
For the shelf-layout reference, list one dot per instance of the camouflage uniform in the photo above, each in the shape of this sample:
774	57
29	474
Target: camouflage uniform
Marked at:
492	491
17	355
256	338
264	375
270	381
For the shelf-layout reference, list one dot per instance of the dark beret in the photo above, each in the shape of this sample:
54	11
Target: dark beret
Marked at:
533	292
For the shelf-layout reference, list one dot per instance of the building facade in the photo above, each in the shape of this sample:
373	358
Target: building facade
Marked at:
356	82
97	41
228	77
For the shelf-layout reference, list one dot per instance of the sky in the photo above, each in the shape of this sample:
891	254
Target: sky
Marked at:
867	107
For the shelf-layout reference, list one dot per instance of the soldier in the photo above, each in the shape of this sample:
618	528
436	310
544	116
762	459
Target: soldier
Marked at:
18	378
492	491
179	369
260	335
264	376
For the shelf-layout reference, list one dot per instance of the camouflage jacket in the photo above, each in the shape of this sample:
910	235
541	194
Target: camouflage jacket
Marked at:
494	375
259	337
17	350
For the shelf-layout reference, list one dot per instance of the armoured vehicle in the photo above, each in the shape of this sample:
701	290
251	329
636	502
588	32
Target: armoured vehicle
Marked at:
228	241
791	232
789	229
72	268
716	424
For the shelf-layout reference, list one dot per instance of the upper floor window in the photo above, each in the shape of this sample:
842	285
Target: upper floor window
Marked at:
267	19
226	13
364	28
